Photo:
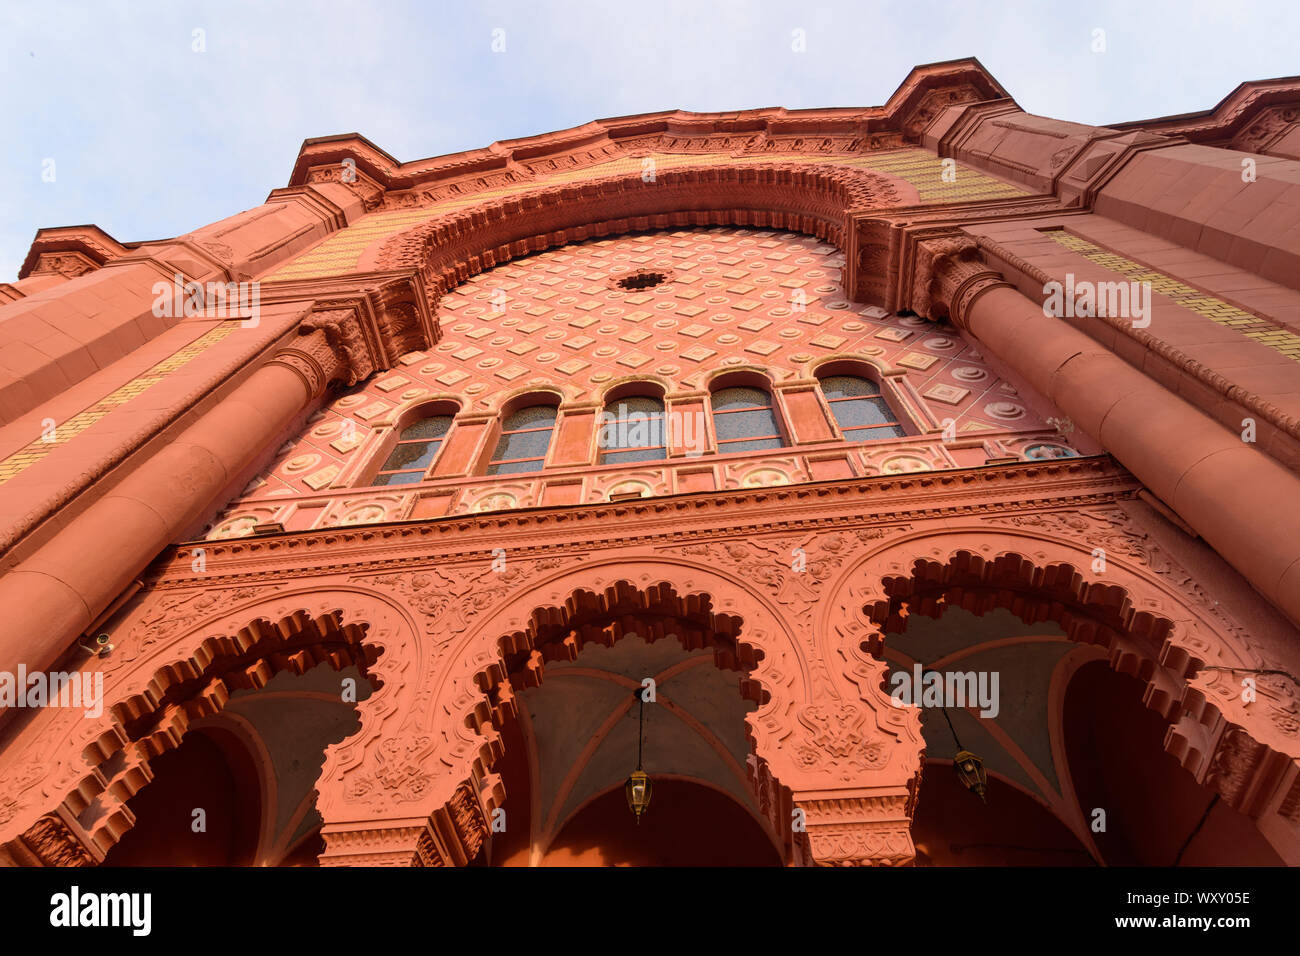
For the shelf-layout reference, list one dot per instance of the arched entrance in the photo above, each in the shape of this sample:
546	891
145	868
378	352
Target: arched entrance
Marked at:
1155	814
575	740
447	764
954	828
601	678
1099	719
192	726
692	825
203	806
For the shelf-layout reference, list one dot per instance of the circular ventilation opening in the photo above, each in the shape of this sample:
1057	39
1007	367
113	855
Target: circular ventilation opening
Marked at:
642	280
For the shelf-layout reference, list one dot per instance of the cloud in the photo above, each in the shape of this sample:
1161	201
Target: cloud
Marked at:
153	139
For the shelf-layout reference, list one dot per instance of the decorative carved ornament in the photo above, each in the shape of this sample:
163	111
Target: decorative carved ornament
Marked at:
949	273
67	264
447	641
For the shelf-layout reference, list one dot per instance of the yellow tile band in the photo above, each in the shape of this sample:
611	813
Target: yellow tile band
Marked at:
341	252
30	454
1261	329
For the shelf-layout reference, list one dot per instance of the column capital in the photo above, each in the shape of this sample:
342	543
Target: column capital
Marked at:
858	828
451	835
330	347
354	328
52	841
948	274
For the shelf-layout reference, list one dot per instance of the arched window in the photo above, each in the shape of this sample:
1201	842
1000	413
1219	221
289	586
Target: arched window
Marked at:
860	409
744	420
413	455
525	437
632	429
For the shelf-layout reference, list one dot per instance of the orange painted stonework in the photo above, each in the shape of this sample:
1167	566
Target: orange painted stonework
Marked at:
878	449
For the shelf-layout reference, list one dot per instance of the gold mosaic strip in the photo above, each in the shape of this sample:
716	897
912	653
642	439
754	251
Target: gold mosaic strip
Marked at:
1262	330
29	455
341	252
925	172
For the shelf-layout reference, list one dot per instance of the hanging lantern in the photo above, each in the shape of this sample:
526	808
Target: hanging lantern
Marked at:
971	773
638	789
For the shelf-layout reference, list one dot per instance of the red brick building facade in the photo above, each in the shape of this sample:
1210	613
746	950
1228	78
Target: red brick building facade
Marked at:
373	508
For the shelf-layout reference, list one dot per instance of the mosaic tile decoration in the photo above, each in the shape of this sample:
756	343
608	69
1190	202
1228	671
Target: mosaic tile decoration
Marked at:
1262	330
341	252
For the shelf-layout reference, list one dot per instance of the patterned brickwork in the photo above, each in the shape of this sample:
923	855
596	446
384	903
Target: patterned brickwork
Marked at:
341	252
64	432
1262	330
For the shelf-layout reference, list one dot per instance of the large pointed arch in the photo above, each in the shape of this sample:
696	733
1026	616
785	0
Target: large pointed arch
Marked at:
184	652
1135	605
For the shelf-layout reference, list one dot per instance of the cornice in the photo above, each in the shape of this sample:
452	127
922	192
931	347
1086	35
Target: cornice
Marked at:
1229	116
90	243
880	247
924	94
396	300
332	215
887	501
967	79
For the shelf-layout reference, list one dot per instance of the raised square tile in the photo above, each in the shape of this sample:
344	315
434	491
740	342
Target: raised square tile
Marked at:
347	442
949	394
917	361
322	478
828	341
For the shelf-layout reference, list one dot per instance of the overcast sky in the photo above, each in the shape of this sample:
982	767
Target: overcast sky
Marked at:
152	138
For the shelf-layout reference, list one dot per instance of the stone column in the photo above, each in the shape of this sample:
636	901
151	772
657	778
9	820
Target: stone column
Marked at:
59	591
1235	497
235	249
837	777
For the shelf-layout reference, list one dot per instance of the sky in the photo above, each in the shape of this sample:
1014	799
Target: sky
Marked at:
150	129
